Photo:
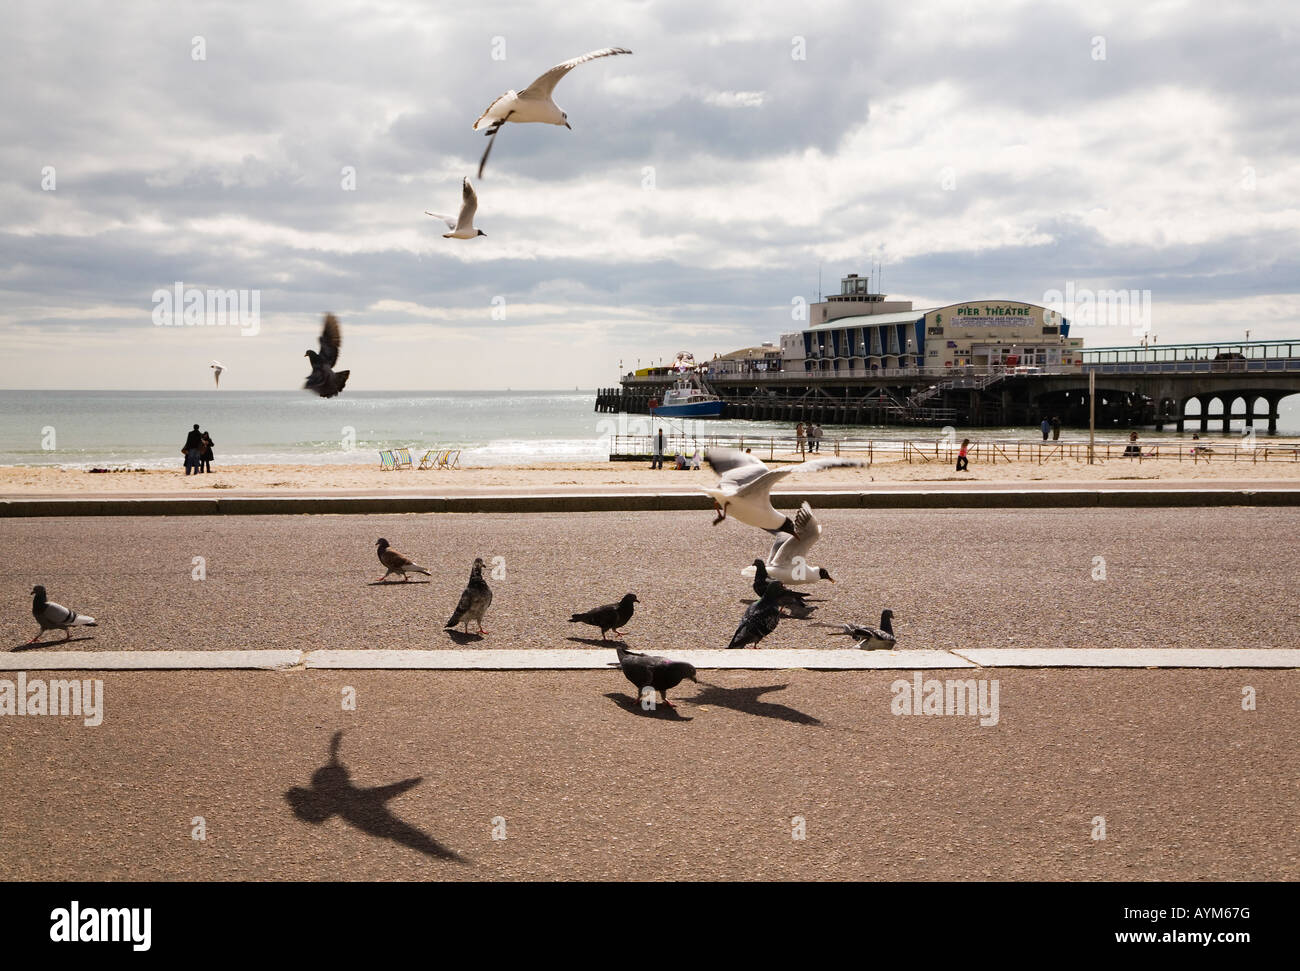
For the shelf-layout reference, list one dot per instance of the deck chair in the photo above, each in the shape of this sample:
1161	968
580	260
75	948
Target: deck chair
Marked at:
452	460
430	460
386	461
402	457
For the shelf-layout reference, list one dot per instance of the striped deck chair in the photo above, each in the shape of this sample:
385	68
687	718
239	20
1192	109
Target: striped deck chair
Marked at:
403	457
452	459
430	460
386	461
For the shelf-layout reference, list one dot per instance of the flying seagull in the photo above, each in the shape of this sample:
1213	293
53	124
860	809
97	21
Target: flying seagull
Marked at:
533	104
658	673
474	601
217	368
760	619
871	638
462	227
52	616
744	490
788	561
395	562
324	380
609	616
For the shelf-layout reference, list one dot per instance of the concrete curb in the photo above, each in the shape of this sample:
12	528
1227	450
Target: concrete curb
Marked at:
641	502
599	659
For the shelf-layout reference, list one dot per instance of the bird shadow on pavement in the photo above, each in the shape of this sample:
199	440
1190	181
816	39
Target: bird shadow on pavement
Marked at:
27	646
596	642
332	792
746	700
660	711
398	583
460	637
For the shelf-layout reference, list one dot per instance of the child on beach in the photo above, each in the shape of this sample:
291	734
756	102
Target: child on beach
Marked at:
962	461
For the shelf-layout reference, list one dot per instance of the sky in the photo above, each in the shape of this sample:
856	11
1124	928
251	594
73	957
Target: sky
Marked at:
289	150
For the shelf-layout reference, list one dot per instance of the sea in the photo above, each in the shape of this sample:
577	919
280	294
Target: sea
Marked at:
146	429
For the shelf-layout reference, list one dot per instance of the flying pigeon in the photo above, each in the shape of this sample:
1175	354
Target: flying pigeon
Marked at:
792	600
462	227
474	601
217	368
872	638
533	104
745	488
609	616
52	616
761	618
658	673
324	380
788	561
395	562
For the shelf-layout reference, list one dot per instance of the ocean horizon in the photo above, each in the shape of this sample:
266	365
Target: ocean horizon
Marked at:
145	429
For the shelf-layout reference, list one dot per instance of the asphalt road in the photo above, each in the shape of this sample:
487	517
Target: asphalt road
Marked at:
586	785
962	578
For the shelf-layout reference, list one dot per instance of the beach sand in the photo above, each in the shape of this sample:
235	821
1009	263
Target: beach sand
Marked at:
16	481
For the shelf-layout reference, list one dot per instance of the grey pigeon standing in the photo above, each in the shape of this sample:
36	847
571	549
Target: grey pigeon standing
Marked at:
475	600
395	562
873	638
608	617
52	616
648	670
761	618
324	380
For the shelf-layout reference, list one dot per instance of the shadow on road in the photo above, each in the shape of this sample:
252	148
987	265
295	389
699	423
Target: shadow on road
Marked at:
596	642
25	646
460	637
397	583
747	700
660	711
333	793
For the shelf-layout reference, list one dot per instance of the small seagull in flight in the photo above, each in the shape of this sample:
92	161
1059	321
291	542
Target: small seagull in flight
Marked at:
533	104
217	368
462	227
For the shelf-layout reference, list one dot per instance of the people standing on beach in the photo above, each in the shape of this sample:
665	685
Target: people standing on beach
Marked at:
1046	426
815	438
962	461
193	451
207	452
658	462
1056	428
1133	448
799	434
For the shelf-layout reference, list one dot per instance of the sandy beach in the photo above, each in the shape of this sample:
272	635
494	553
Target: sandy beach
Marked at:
539	477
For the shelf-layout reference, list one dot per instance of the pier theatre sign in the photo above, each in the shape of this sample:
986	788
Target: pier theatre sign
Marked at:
978	316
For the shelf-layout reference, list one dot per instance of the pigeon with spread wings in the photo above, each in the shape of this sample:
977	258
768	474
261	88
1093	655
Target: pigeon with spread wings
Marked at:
744	489
534	103
324	380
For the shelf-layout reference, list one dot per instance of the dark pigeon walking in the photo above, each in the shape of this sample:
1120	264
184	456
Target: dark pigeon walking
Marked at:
475	600
648	670
52	616
609	617
395	562
761	618
793	601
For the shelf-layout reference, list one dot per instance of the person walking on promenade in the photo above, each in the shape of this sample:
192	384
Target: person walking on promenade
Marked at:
1046	426
815	437
658	462
1056	428
962	461
207	452
193	451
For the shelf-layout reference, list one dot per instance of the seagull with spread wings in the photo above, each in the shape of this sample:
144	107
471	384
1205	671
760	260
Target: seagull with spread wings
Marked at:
462	227
744	490
534	103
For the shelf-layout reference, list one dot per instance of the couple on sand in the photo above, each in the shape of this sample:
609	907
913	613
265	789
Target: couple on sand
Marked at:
197	452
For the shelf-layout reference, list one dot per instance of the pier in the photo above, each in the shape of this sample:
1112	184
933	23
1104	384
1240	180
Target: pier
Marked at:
1203	385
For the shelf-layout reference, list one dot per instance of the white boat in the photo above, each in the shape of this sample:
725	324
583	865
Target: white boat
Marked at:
685	400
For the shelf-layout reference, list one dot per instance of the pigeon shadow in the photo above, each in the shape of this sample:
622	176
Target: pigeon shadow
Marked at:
633	706
27	646
460	637
596	642
397	583
746	700
332	792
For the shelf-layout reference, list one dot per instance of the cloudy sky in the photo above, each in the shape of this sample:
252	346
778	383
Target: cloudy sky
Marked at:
976	151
